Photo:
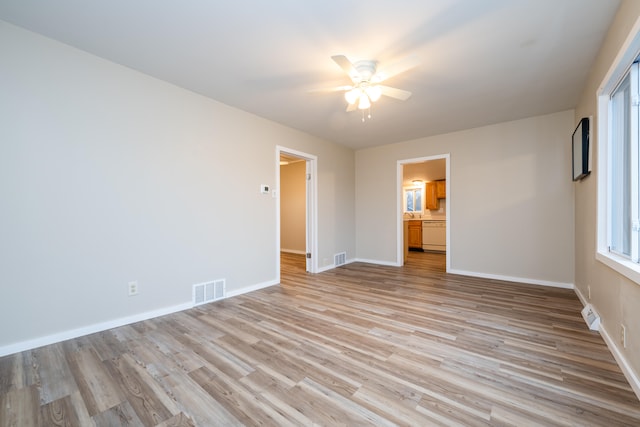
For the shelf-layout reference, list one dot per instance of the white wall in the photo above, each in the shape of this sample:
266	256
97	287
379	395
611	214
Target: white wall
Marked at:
510	193
293	207
108	176
615	298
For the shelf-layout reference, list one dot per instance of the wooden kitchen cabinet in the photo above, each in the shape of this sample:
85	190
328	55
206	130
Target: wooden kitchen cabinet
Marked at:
415	234
431	196
441	189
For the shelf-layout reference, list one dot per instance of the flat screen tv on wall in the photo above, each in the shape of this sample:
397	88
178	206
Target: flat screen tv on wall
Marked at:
580	150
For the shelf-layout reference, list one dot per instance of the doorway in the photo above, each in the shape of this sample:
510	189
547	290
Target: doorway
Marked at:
424	173
296	182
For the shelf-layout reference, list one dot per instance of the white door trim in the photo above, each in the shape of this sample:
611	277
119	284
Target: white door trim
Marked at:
399	220
311	210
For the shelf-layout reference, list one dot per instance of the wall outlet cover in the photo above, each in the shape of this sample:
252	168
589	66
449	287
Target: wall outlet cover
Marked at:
133	288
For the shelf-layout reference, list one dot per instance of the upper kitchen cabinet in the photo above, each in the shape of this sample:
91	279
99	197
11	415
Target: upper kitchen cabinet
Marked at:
441	189
431	196
434	191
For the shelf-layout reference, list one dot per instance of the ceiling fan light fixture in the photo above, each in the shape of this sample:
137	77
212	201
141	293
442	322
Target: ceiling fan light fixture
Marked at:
365	79
353	95
364	102
373	92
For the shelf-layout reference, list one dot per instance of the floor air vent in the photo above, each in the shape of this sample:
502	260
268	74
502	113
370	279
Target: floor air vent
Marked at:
591	317
209	291
340	259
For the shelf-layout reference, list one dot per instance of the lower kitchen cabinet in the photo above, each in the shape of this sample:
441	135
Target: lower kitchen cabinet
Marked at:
415	234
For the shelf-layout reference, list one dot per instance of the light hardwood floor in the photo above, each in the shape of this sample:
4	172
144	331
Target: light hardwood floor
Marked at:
358	345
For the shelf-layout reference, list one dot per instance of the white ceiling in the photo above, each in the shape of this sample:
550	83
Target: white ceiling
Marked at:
430	170
481	61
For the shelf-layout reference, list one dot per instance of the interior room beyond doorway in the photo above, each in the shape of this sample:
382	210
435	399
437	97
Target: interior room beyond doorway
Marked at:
424	206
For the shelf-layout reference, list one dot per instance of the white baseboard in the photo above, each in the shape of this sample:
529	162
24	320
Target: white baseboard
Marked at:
332	266
375	261
513	279
90	329
624	365
252	288
581	297
115	323
484	275
326	268
293	251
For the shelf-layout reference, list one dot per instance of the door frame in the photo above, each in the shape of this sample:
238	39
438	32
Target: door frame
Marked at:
399	204
311	222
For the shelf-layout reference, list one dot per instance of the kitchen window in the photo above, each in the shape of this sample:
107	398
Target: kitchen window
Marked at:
413	199
619	177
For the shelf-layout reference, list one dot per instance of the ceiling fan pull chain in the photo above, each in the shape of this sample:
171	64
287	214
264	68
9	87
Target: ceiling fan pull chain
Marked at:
368	115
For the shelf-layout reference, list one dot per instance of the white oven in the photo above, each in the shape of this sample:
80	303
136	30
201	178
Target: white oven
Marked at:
434	235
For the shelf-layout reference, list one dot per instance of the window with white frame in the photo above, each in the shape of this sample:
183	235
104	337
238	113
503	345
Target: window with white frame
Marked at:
413	199
619	177
623	167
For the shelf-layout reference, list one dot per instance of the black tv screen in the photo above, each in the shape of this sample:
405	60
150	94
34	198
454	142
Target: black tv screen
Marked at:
580	150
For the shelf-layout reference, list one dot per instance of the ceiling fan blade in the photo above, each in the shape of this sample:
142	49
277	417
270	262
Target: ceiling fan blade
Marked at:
345	64
331	89
352	107
393	92
394	69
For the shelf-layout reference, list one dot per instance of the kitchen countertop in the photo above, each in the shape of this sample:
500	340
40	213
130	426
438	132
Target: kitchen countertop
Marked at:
424	219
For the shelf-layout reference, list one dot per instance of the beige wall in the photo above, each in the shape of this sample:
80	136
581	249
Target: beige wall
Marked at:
614	297
510	195
108	176
293	207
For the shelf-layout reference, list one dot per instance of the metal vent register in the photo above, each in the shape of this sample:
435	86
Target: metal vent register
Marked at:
209	291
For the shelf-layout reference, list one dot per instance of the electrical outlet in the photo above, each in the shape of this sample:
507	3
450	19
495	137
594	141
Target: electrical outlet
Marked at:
133	288
623	336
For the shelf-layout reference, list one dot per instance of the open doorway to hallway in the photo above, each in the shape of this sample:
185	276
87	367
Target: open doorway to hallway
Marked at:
293	205
296	178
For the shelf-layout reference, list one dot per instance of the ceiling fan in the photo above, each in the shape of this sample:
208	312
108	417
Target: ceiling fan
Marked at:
366	78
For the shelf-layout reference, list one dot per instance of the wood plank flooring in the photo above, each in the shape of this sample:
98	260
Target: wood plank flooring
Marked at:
358	345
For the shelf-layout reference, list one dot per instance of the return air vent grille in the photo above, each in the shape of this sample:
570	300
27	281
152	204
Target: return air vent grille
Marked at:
340	259
209	291
591	317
